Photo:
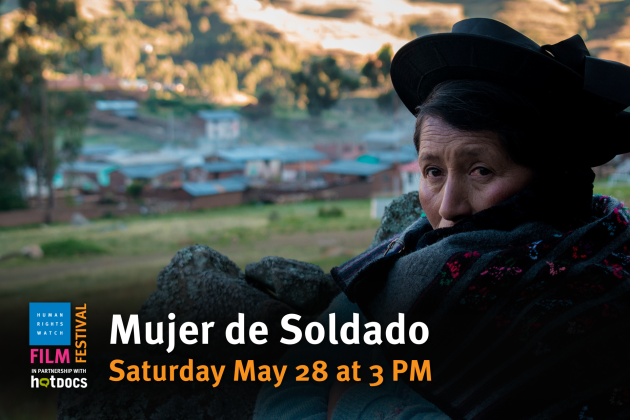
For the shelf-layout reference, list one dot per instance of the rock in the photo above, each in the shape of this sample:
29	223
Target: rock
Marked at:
199	285
32	251
202	285
274	216
301	285
401	213
79	220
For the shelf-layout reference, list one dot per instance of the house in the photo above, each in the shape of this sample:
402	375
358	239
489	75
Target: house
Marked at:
352	169
301	163
92	176
107	85
101	152
213	170
382	177
190	159
93	83
216	193
260	162
29	185
341	151
621	174
393	157
275	162
124	109
387	139
220	125
145	159
410	177
162	175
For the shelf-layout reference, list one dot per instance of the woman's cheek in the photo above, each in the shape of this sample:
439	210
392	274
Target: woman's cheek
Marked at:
495	193
430	202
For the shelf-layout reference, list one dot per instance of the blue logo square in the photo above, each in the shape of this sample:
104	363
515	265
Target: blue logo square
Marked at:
49	324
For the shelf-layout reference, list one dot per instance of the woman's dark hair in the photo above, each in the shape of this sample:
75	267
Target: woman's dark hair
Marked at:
535	134
471	105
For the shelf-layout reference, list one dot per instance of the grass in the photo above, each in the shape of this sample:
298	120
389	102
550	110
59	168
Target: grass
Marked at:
333	211
164	234
70	248
620	191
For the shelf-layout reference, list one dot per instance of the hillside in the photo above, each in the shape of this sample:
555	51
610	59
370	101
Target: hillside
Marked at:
250	46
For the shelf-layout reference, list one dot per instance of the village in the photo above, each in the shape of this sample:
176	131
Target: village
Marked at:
223	169
220	168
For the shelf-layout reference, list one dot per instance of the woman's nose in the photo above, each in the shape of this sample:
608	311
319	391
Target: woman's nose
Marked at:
455	204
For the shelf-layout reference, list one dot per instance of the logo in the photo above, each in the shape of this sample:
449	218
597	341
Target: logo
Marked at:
58	382
44	356
49	323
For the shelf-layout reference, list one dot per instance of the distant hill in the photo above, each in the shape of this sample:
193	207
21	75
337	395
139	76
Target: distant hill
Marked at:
218	47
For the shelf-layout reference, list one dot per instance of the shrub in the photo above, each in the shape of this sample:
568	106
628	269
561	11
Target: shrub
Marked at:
107	198
135	189
334	211
108	215
71	247
274	216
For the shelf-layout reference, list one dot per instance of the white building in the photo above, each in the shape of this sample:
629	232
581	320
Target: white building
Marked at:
125	109
410	177
621	174
221	125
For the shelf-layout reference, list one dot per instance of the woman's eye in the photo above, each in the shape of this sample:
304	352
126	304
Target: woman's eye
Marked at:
433	172
482	171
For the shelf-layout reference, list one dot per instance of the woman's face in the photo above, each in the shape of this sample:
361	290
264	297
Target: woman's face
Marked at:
464	172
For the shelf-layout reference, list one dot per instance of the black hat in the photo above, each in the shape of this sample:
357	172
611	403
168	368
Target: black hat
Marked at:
570	85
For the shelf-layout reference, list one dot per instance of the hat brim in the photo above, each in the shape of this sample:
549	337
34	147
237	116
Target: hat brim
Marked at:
427	61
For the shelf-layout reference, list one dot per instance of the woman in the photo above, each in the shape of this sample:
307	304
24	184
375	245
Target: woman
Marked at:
519	272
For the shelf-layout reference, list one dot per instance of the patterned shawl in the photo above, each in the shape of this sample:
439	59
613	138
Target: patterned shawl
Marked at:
529	317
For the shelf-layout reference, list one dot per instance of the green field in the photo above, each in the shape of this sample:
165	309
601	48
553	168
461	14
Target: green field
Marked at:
620	191
234	227
112	264
115	254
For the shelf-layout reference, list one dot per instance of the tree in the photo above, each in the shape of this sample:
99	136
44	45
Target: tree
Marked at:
11	161
376	70
49	36
263	109
320	83
70	112
219	78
